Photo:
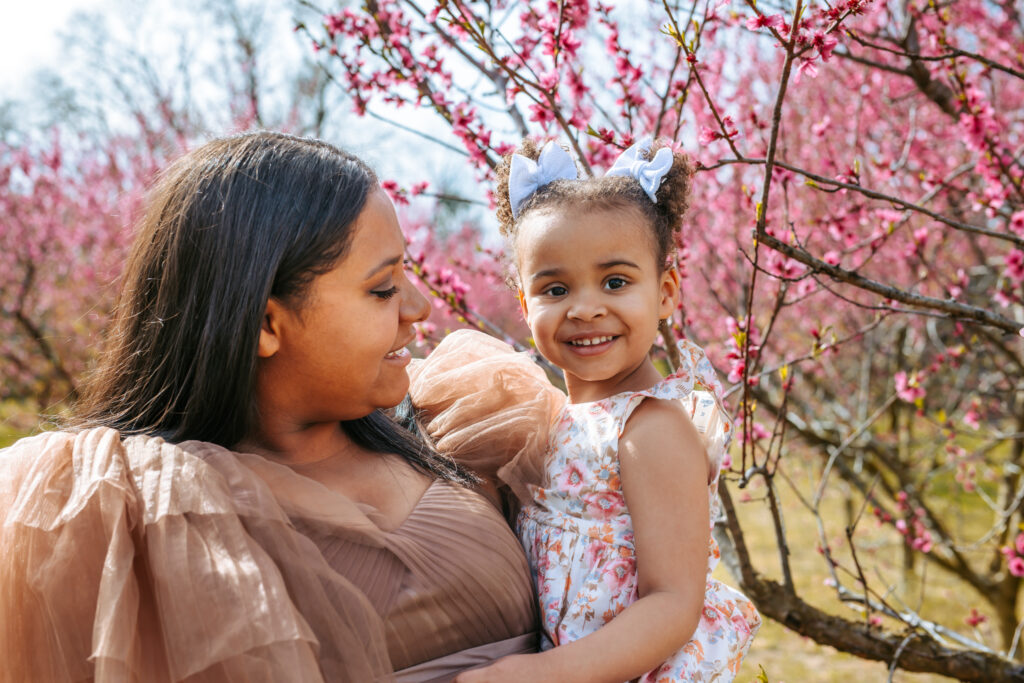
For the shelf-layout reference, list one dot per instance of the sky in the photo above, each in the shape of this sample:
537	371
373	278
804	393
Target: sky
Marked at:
29	37
31	41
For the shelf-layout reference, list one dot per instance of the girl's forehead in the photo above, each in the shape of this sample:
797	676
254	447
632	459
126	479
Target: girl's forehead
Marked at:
583	235
581	225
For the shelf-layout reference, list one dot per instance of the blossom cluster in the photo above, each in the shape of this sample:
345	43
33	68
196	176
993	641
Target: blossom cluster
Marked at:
1015	556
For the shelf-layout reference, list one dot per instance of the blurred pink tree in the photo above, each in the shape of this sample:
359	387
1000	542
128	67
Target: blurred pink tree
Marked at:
854	259
65	205
68	195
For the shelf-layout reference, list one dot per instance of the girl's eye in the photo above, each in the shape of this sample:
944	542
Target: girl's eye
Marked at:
385	294
615	283
556	290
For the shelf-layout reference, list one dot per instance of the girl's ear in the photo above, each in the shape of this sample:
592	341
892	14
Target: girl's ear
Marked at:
270	329
669	293
522	303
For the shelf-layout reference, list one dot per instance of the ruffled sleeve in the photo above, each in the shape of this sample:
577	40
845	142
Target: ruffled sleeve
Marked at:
694	383
138	560
488	406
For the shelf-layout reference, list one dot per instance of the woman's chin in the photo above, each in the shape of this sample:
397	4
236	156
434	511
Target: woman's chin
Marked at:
397	390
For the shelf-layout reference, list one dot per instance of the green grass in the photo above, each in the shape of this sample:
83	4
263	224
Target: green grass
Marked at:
16	421
787	657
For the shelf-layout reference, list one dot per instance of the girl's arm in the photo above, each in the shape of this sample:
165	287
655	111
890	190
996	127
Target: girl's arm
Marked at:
664	473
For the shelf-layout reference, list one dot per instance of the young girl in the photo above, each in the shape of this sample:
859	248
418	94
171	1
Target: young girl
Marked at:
617	525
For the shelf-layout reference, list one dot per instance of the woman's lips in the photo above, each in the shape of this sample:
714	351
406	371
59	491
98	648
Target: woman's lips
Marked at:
399	355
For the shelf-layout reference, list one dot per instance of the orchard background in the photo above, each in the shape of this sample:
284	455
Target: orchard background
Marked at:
853	261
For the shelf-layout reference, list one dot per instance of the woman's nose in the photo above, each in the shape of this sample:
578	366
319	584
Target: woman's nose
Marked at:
415	308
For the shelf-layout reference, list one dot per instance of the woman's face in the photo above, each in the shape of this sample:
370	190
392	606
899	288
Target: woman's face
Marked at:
341	354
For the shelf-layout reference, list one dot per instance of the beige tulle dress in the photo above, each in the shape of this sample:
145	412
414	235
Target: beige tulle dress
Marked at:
133	559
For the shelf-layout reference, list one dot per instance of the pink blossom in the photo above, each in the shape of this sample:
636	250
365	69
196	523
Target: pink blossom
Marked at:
922	542
708	135
1016	565
1015	266
397	194
975	618
335	24
549	80
774	21
825	44
541	114
806	67
758	431
1004	300
908	387
424	333
736	370
971	418
1017	223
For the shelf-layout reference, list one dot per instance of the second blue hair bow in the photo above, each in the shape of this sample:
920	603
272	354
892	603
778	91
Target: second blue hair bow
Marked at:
648	173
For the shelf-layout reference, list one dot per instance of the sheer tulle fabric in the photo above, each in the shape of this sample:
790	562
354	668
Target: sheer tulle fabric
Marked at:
489	405
137	560
140	560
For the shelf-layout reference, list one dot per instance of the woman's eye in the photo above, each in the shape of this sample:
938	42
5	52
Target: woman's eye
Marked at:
615	283
385	293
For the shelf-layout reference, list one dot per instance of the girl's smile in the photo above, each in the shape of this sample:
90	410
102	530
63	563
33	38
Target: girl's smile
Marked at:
591	345
593	294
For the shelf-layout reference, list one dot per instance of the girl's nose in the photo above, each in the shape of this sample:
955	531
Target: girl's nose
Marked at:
586	307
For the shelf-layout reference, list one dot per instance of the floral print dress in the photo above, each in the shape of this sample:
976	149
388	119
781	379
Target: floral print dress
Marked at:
578	534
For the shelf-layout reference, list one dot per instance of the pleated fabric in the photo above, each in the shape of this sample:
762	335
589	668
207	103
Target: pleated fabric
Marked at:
138	560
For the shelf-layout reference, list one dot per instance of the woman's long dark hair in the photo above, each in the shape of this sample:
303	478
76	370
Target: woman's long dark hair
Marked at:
227	226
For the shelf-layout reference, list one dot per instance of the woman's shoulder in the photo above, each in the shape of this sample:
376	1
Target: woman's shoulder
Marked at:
36	443
52	463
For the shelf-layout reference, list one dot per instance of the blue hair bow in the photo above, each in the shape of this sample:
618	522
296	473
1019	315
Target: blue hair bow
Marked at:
648	173
526	176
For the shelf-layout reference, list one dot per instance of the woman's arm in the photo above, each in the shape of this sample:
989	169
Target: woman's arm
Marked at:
664	474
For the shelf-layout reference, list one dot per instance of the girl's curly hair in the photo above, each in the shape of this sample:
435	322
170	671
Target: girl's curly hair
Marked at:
664	216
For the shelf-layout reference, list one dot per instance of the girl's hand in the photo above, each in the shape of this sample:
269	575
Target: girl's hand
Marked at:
511	669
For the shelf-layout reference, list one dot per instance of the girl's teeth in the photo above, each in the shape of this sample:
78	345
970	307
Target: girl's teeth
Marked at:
399	353
590	342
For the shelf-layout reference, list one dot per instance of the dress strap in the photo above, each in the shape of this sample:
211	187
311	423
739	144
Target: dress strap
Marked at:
695	384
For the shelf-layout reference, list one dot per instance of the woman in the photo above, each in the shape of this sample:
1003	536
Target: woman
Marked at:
231	503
